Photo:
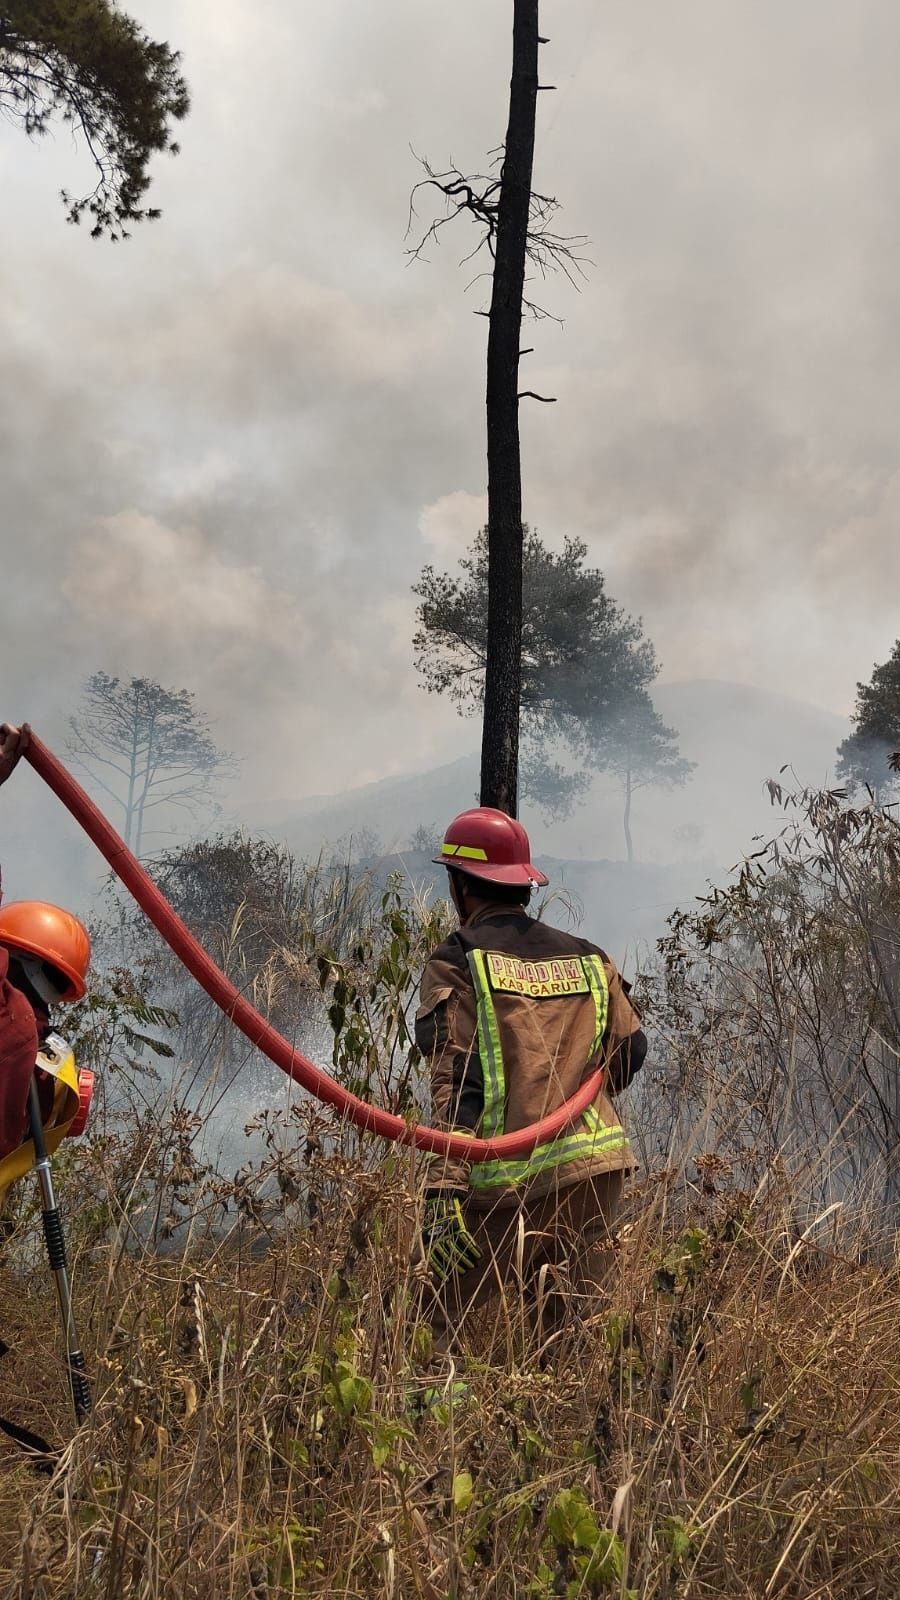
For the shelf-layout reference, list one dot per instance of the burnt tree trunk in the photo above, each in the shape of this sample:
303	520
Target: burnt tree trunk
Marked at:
503	675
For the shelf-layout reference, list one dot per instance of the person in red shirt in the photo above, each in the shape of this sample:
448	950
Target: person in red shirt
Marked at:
45	952
18	1023
44	956
18	1049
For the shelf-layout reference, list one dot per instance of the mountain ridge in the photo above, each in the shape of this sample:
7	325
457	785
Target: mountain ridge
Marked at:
737	734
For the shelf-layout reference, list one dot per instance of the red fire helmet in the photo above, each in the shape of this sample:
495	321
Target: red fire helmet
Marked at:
51	935
488	844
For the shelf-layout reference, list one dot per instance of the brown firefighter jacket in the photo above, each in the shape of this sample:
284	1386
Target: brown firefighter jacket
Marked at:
513	1016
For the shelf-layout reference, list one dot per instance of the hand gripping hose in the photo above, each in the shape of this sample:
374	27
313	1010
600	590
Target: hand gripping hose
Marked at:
255	1027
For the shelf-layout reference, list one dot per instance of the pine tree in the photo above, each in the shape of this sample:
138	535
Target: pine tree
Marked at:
586	672
146	748
871	754
89	65
641	749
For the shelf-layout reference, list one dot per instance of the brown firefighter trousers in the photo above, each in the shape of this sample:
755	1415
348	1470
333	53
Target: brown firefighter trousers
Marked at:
545	1259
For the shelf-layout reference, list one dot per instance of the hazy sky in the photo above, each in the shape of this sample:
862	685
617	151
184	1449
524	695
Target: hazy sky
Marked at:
228	446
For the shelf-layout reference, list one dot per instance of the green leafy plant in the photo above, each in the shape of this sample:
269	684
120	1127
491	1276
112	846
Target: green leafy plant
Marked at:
590	1558
370	993
462	1491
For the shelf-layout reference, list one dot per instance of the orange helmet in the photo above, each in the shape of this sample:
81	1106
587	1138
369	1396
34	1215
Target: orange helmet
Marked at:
51	937
488	844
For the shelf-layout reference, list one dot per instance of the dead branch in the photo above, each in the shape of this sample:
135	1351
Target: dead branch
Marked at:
478	195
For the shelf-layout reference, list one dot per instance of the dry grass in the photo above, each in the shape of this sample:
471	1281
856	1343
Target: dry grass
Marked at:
264	1424
270	1421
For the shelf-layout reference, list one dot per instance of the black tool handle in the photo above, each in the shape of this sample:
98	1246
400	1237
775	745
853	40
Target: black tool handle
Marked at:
56	1244
81	1389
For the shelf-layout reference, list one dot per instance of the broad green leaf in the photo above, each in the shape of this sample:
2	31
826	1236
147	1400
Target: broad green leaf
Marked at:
571	1520
678	1537
463	1491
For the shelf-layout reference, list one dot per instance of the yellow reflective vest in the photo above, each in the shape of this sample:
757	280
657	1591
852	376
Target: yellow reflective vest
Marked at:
513	1015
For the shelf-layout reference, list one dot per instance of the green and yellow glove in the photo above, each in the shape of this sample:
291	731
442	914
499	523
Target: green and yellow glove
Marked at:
449	1246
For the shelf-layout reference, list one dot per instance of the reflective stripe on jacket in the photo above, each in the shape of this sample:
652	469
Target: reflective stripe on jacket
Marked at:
513	1016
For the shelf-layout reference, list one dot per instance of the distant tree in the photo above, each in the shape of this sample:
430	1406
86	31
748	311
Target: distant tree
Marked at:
145	747
426	839
551	786
870	754
365	846
88	64
639	747
586	668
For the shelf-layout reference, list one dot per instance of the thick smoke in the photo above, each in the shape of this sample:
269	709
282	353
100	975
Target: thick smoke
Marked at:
228	446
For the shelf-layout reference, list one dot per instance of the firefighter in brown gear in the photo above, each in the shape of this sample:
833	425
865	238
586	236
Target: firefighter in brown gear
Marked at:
513	1015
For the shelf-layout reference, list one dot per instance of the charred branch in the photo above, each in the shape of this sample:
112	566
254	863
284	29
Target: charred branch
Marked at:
478	196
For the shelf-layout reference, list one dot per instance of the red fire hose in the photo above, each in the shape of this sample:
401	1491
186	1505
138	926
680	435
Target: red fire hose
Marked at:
255	1027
